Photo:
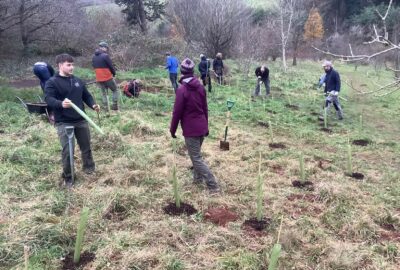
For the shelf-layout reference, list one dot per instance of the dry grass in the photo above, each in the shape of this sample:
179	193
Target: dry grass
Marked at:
336	226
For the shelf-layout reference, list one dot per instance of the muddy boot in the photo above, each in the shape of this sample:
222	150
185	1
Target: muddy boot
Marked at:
114	107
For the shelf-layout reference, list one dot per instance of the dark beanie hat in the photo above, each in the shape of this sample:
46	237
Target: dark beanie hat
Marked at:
187	66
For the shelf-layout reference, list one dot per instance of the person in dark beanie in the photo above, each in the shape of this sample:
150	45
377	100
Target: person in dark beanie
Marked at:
204	69
191	111
105	73
332	89
262	74
44	72
218	67
172	66
60	91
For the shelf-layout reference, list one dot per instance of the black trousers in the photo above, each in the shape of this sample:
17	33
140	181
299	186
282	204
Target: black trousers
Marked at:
173	77
206	79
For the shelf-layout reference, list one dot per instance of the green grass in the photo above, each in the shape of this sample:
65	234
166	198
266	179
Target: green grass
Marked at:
340	228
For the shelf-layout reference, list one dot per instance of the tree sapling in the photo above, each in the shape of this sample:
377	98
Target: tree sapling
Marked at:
80	234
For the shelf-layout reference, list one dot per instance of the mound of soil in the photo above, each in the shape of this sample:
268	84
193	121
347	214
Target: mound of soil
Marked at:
327	130
186	209
315	114
220	215
323	164
254	225
293	107
160	114
389	236
356	175
303	185
86	257
278	169
277	146
388	227
361	142
118	212
263	124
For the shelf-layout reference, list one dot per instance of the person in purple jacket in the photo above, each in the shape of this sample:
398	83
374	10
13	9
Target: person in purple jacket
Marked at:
191	111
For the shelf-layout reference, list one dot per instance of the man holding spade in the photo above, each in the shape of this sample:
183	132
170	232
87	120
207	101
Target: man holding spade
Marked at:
60	92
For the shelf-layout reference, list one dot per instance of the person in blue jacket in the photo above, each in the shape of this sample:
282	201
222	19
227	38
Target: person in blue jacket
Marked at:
44	72
172	66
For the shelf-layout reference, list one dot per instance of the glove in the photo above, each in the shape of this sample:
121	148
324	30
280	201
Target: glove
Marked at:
173	135
334	93
208	133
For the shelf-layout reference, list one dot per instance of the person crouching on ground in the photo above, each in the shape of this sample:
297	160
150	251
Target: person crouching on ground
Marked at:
191	111
132	89
60	91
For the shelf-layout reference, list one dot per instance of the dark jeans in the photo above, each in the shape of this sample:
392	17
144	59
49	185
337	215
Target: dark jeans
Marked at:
173	77
266	84
220	76
201	172
206	79
82	135
43	73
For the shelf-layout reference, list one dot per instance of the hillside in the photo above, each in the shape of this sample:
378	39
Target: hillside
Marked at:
343	223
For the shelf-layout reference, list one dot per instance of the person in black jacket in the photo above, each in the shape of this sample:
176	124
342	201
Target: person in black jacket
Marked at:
218	67
204	69
105	73
262	74
332	89
60	91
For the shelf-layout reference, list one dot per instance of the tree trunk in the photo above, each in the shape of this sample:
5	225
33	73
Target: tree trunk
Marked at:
397	56
296	40
142	16
23	30
284	58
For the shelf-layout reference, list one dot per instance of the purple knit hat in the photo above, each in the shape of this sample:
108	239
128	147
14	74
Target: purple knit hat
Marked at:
187	66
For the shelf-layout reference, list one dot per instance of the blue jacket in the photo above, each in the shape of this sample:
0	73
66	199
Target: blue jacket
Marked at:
332	81
172	64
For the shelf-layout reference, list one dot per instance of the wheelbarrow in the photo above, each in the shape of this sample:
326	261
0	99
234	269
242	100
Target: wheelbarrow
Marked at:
34	107
38	108
224	145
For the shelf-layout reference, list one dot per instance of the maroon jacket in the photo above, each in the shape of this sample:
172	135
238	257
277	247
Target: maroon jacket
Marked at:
190	108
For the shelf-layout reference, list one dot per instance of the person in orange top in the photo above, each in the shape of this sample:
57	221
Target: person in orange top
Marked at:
105	73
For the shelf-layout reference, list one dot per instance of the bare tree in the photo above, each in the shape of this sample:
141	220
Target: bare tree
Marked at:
286	11
213	24
8	16
380	37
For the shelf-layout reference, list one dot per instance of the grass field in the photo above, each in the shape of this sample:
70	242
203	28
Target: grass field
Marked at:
342	224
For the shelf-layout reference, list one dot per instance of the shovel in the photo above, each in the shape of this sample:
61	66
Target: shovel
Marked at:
70	133
224	145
